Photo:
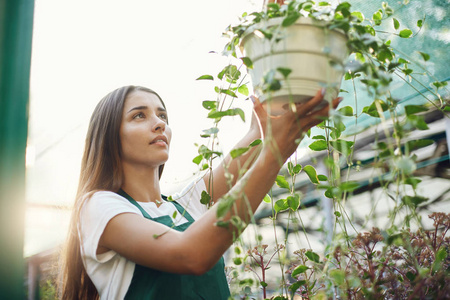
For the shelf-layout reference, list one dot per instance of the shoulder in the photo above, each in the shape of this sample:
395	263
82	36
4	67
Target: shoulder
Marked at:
98	209
106	203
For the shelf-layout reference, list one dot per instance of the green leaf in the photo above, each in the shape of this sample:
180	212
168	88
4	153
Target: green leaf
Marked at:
322	177
339	127
372	109
412	181
263	284
312	174
425	56
318	145
342	146
223	224
174	215
294	287
290	167
299	270
293	202
411	276
440	257
414	109
243	89
281	182
267	199
439	84
413	201
385	54
209	132
349	186
405	33
319	137
407	71
209	104
338	276
205	198
228	112
290	19
224	206
346	111
359	15
198	159
376	17
238	152
255	143
416	144
284	71
266	34
293	170
396	23
231	73
228	92
270	83
280	205
247	62
205	77
419	23
241	113
312	256
441	254
418	122
237	261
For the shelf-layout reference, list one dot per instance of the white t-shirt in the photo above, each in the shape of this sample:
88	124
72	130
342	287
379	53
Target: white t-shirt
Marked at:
110	272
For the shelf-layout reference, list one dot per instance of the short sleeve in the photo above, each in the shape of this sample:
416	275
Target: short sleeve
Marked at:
190	197
98	210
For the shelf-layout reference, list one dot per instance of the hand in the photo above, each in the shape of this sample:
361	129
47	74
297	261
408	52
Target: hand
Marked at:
281	133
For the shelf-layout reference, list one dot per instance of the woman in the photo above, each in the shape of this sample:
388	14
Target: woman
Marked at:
128	241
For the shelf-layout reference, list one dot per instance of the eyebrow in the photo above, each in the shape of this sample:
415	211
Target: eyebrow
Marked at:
145	107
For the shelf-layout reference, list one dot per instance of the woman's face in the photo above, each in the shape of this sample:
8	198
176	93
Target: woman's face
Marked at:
144	133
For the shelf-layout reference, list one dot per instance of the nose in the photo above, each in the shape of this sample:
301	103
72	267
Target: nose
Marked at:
159	125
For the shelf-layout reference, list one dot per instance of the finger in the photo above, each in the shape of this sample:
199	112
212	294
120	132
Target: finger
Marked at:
258	108
336	102
306	107
317	116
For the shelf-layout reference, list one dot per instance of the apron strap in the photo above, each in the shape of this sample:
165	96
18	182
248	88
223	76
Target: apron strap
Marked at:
179	208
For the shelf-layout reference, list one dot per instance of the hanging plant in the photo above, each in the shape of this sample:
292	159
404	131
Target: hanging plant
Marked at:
284	54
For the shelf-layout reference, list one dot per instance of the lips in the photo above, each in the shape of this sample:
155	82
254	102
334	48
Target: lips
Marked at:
159	139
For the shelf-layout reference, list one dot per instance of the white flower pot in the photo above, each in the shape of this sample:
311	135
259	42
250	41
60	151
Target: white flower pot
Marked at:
307	49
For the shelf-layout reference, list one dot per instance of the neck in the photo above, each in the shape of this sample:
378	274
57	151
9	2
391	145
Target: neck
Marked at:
142	183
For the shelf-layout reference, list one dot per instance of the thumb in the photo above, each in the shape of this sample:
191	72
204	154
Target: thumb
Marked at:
258	108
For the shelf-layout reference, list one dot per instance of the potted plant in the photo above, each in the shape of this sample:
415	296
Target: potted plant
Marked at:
300	50
352	263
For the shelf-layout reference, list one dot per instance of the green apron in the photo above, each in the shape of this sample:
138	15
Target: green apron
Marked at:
153	284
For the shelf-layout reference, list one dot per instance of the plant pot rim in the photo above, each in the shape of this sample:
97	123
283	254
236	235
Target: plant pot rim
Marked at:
302	21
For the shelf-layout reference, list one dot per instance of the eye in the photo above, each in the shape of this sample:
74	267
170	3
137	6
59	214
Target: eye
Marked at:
139	115
163	116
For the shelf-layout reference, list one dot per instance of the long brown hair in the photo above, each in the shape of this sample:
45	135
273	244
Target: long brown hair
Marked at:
100	170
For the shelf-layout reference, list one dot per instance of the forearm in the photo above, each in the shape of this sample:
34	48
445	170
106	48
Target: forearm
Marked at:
225	176
211	241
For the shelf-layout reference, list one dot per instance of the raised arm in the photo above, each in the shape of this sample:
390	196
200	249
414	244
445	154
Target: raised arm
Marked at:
226	174
197	249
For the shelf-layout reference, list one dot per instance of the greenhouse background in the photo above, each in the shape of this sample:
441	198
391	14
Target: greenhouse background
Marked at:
76	59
